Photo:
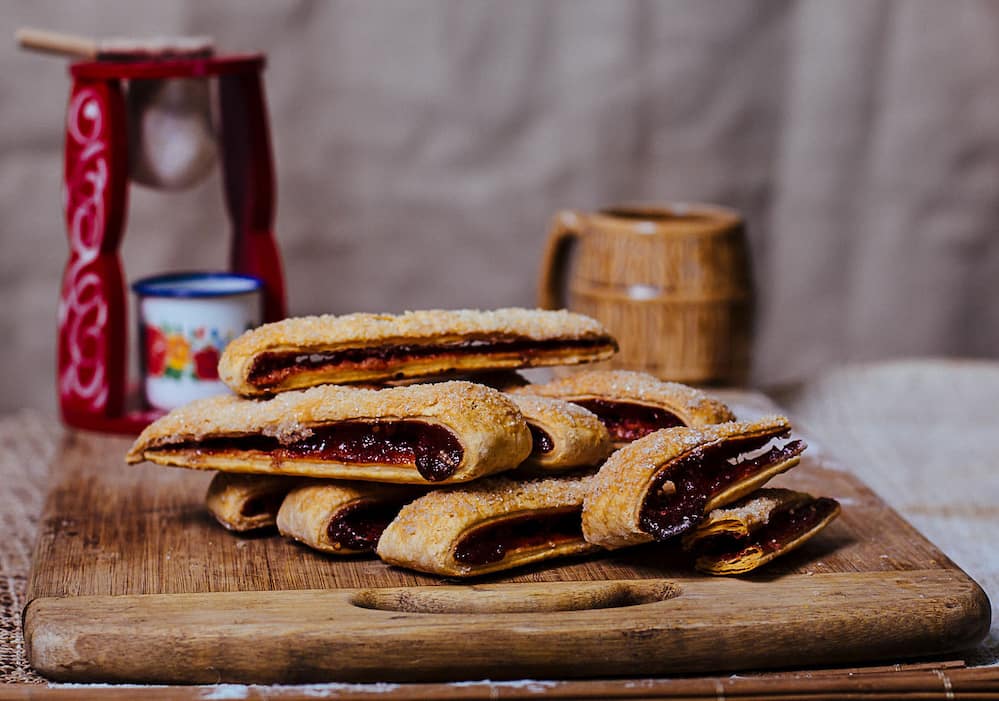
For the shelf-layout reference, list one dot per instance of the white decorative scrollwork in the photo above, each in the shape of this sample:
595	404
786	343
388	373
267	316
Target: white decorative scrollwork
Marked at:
83	309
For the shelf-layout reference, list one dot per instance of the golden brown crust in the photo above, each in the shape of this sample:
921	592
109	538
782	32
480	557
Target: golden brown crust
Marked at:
425	533
579	438
611	514
318	334
489	427
246	502
754	513
307	511
691	406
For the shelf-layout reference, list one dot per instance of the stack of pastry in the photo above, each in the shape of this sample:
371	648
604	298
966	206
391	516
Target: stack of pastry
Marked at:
685	469
348	435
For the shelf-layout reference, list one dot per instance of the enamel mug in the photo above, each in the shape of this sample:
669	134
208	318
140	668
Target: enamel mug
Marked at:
185	322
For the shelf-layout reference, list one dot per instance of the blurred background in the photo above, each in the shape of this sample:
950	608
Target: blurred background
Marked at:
422	149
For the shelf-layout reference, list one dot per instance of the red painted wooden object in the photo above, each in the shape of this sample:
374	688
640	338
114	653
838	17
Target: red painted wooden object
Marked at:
92	370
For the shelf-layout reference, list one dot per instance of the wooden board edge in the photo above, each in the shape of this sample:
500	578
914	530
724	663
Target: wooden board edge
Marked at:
299	636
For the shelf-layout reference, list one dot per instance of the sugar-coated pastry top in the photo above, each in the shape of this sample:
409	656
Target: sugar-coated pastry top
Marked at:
289	416
331	333
691	405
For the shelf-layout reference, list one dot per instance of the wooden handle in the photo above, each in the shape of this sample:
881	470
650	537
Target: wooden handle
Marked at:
564	230
56	43
532	598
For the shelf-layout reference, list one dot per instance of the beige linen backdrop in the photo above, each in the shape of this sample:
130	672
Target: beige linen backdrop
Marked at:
422	147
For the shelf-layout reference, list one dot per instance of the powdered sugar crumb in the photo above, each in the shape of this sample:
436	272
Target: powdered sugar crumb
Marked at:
234	692
534	686
226	691
60	685
322	691
237	692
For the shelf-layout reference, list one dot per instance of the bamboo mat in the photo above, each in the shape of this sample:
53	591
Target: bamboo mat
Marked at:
27	444
923	434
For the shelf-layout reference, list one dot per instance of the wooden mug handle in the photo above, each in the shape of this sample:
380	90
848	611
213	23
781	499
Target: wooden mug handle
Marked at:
565	229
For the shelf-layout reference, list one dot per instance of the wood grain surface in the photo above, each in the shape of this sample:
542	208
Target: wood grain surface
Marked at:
133	581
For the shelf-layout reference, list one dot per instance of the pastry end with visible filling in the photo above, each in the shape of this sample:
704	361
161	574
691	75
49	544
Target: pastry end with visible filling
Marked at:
243	503
749	534
662	485
564	436
489	526
341	518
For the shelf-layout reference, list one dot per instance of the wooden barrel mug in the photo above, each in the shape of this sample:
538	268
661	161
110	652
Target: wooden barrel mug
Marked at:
671	282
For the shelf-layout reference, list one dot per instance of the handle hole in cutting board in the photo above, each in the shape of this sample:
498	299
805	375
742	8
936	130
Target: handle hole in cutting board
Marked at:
517	598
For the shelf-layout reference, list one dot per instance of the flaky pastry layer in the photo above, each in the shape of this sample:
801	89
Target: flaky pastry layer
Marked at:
752	521
746	516
426	532
490	429
246	502
579	438
321	334
613	508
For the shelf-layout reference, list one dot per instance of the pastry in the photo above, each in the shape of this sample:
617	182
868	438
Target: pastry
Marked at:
662	485
343	518
246	502
306	351
634	404
753	531
565	436
446	432
488	526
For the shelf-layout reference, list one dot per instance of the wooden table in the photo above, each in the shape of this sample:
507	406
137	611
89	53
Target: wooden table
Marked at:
922	434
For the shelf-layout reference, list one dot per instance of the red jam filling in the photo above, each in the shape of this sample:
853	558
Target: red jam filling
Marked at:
262	505
492	542
542	441
700	475
270	369
432	449
359	526
628	421
783	527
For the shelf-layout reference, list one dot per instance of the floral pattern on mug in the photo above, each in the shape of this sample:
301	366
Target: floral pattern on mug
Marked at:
178	352
156	351
175	353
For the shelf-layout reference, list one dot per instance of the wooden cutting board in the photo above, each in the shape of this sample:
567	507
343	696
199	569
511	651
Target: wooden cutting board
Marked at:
134	582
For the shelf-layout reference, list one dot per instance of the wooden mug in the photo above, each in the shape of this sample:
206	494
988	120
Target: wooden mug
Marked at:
672	282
